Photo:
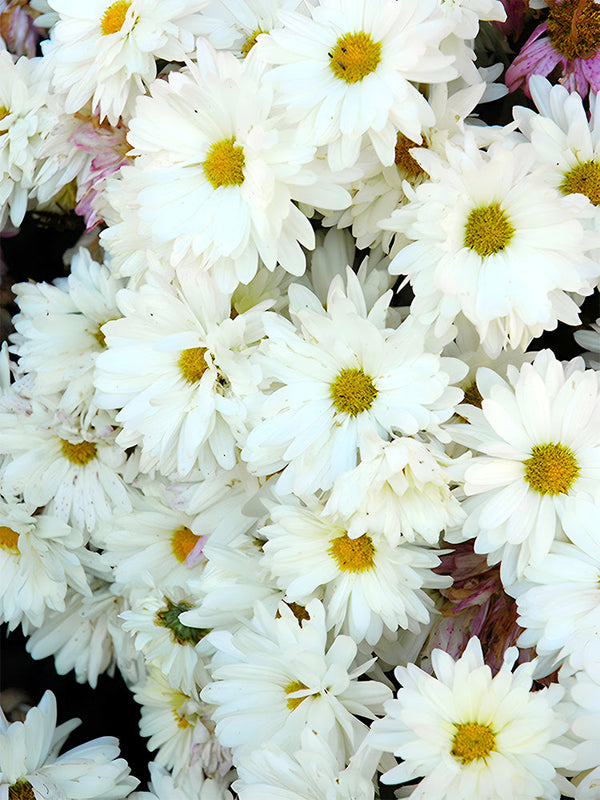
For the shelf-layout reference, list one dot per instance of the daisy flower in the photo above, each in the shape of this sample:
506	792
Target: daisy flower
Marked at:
567	43
584	691
365	583
210	153
25	121
466	733
475	225
350	69
567	143
192	785
558	599
339	374
236	25
401	489
30	764
53	461
41	557
179	728
275	676
179	369
536	441
105	52
58	332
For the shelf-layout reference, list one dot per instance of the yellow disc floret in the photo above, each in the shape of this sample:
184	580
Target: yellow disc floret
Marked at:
80	453
114	17
552	468
224	165
183	542
251	41
583	179
353	555
574	28
353	392
21	790
354	56
192	363
9	539
295	686
488	230
472	741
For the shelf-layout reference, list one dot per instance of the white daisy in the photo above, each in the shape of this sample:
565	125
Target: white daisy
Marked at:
105	52
468	734
584	691
350	69
179	651
559	599
337	375
216	173
58	332
191	785
235	25
31	767
179	728
40	558
178	368
365	583
537	444
495	241
24	122
53	461
400	489
275	676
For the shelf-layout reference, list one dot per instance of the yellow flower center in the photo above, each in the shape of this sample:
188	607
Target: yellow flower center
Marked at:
552	468
354	56
4	112
183	542
251	41
9	539
114	17
224	165
80	453
472	741
21	790
574	28
353	555
192	363
583	179
353	392
404	160
488	230
295	686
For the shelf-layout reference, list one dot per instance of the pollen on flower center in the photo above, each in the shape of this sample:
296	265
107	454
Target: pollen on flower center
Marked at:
353	555
224	164
552	468
9	539
4	112
168	617
472	741
404	160
353	392
80	453
21	790
295	686
488	230
574	28
251	41
114	17
192	363
354	56
583	179
183	542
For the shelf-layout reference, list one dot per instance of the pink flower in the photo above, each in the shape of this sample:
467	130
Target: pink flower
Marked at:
568	41
17	28
516	11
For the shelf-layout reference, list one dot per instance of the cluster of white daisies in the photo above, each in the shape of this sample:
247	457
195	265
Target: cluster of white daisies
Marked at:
337	547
